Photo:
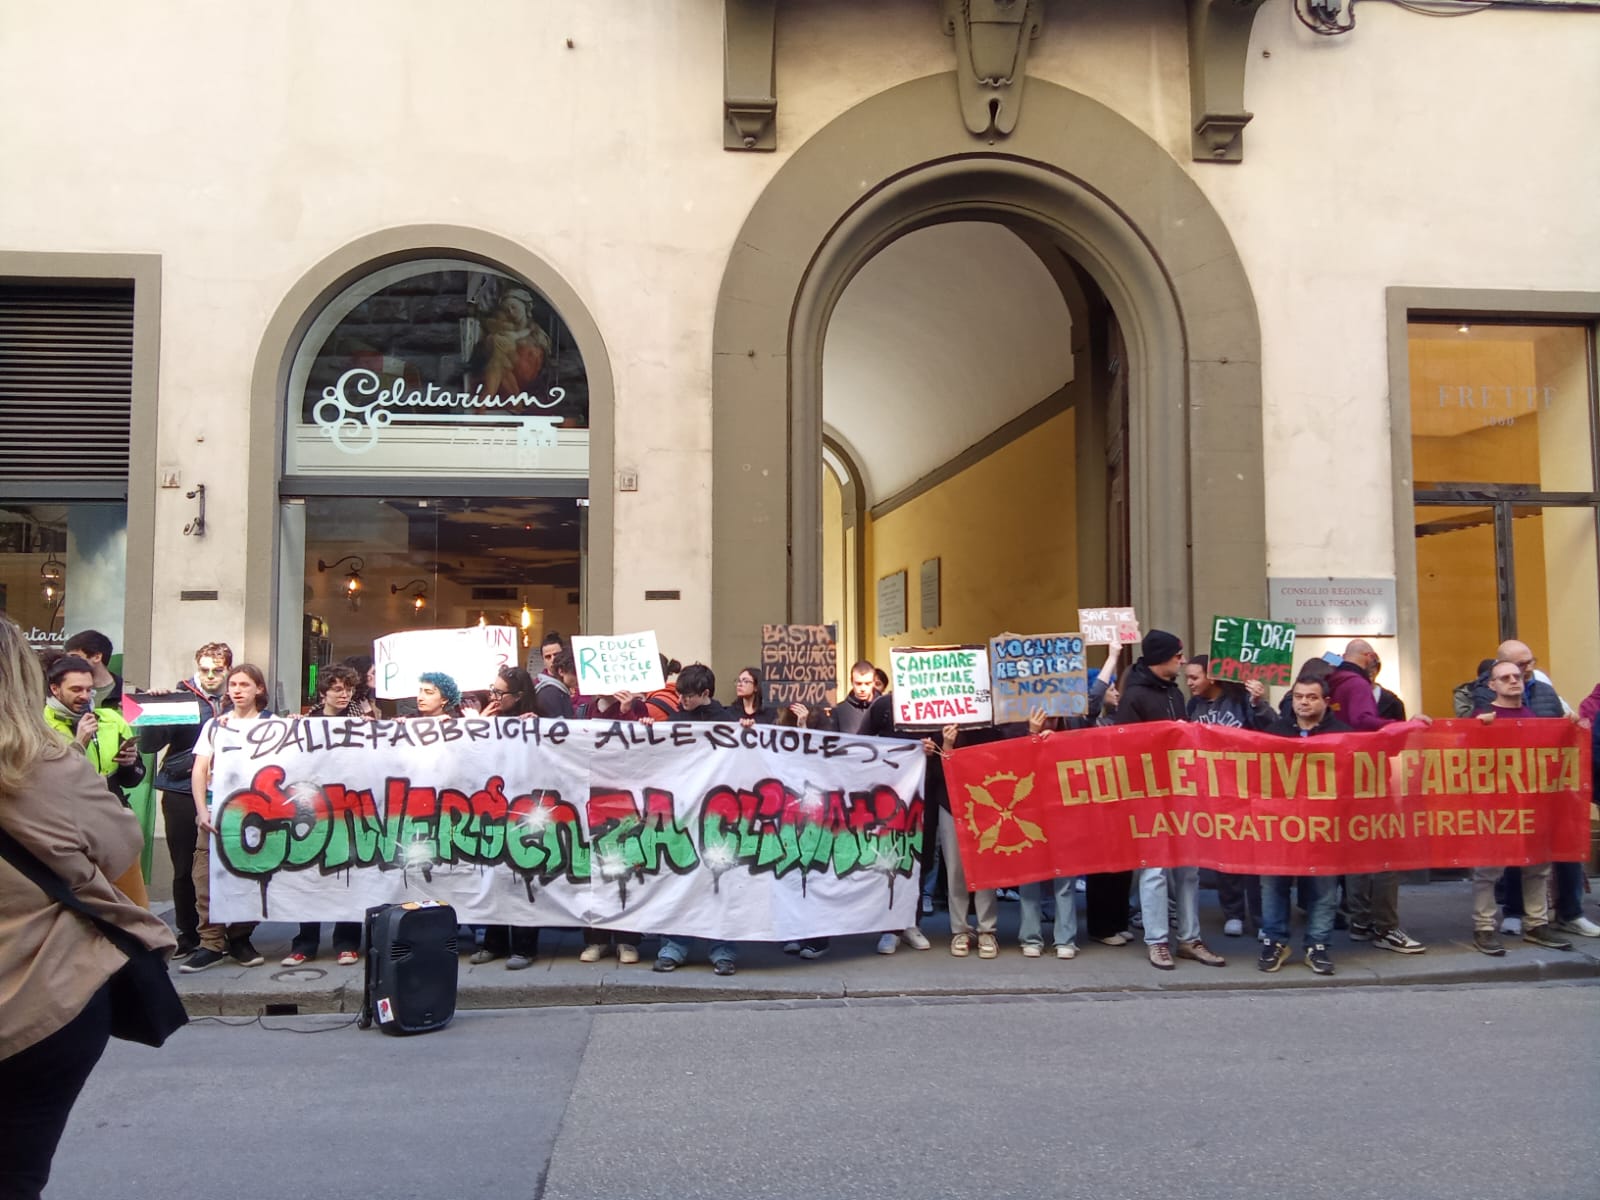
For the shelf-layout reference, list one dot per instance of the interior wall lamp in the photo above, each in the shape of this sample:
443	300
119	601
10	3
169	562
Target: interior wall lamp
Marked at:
352	577
419	598
52	580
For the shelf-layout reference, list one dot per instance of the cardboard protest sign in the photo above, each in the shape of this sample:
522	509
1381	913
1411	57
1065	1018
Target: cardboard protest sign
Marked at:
621	662
1244	648
471	656
710	830
939	685
799	664
1109	626
1038	670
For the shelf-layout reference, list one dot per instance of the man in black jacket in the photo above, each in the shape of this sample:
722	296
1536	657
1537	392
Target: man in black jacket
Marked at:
1151	693
207	686
1320	893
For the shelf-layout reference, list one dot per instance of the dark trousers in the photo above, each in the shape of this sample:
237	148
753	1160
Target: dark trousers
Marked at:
1569	891
605	937
177	819
38	1087
511	939
1240	898
1105	899
346	936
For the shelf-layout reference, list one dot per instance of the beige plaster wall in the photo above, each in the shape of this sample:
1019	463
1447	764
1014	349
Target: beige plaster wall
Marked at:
246	143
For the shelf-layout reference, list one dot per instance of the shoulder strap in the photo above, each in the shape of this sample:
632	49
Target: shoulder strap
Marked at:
53	886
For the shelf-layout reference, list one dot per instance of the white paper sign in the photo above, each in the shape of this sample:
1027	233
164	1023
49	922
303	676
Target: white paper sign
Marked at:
521	821
621	662
471	656
940	685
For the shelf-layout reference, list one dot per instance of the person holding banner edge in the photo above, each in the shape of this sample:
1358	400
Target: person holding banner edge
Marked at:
1151	693
510	695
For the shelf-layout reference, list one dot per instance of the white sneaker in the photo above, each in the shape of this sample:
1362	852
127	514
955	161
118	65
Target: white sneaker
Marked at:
1512	925
1031	950
1070	950
888	943
915	938
593	953
1580	925
1233	927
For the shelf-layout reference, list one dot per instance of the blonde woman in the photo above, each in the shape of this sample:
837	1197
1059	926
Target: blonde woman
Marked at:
55	1010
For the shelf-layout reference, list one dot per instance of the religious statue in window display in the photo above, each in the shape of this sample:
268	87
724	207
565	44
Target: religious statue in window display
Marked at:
511	348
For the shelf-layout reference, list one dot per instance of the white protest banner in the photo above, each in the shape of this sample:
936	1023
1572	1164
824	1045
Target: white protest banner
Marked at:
471	656
1109	626
939	685
709	830
623	662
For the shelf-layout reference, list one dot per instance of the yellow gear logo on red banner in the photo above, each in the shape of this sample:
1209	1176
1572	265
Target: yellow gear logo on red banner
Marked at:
999	816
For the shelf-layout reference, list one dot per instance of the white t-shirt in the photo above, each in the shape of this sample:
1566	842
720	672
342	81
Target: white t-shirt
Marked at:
205	744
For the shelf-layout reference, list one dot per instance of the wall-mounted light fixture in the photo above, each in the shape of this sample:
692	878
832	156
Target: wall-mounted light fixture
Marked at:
419	598
53	581
352	577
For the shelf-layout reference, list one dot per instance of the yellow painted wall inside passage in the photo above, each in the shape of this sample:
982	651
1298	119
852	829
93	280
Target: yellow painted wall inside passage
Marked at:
1005	532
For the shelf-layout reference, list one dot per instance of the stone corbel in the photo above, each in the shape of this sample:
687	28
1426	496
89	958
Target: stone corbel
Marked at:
992	39
749	75
1219	41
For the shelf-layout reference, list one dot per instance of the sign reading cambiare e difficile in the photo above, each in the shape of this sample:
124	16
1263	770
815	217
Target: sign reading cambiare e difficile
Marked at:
939	685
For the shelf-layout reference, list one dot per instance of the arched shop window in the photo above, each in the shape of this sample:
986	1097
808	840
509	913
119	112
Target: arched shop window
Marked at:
435	465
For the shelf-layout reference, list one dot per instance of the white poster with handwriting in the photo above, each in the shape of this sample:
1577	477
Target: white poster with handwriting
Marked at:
617	662
471	656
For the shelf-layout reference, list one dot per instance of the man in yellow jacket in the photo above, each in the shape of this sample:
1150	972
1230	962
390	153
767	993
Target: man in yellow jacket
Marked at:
104	736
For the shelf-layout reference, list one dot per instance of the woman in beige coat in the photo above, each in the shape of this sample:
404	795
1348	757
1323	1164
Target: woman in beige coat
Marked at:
55	1011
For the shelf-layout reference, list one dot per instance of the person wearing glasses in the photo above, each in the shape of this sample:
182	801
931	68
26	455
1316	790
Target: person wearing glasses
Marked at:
173	779
336	692
510	695
749	705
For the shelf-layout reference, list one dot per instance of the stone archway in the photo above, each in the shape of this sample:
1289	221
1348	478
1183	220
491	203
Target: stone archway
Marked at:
1096	186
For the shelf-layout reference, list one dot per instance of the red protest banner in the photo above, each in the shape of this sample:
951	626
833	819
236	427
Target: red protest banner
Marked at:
1458	794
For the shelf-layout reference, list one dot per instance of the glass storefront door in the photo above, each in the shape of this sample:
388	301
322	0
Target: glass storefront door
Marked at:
63	569
366	567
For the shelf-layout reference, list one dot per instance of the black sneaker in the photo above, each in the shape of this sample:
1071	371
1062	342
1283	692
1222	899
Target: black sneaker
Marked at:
1543	935
186	947
1273	956
664	965
1317	959
246	955
723	966
1361	933
202	959
1485	942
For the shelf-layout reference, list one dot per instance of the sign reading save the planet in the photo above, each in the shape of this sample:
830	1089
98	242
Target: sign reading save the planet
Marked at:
1245	648
1038	670
939	685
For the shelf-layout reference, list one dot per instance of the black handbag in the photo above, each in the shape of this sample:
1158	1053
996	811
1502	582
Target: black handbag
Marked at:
145	1007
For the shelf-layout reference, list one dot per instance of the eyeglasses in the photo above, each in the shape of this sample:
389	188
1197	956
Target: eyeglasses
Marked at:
494	691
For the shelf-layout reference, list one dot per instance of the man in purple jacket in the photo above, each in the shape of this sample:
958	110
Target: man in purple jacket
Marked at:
1374	899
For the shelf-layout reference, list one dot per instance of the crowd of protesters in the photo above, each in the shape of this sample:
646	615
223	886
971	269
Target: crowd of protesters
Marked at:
1156	906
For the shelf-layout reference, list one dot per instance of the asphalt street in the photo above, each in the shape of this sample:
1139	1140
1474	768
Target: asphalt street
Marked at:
1421	1092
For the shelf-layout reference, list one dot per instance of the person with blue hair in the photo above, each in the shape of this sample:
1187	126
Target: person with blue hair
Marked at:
438	695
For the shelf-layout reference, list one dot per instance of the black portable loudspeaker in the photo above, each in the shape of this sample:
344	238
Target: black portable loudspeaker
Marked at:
411	967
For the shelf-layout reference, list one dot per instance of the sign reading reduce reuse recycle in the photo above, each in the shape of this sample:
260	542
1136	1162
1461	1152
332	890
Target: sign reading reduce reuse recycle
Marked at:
940	685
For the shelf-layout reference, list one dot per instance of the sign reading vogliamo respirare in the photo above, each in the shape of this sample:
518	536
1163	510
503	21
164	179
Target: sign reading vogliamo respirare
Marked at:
1321	606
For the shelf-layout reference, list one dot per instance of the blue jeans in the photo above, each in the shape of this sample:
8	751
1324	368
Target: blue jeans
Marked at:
1029	932
1185	885
677	949
1569	891
1321	902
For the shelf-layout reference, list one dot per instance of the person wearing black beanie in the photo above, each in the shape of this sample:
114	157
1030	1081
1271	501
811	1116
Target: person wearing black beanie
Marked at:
1151	693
